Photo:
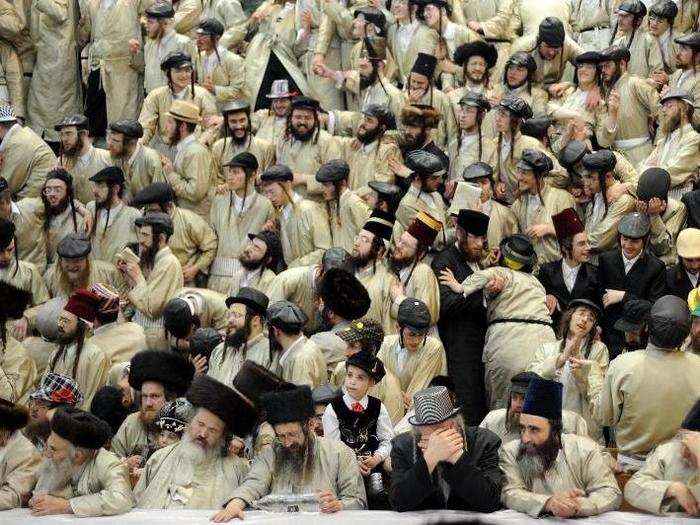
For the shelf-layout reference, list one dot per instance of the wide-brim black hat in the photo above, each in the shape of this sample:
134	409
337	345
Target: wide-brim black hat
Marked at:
367	361
574	303
238	413
479	48
288	406
473	222
156	193
381	224
252	298
254	381
344	294
82	429
12	416
653	182
171	369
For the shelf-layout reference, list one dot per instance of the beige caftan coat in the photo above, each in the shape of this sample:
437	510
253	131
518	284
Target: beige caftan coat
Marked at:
224	150
378	280
109	238
645	53
100	272
225	363
231	15
18	470
422	284
155	51
120	341
305	233
227	74
84	167
367	162
11	76
26	159
304	364
132	438
28	218
141	169
297	285
194	241
17	372
602	232
214	481
496	422
664	230
347	216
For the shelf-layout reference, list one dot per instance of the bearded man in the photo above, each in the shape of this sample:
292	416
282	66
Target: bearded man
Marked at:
19	460
548	472
244	337
299	462
678	150
272	123
17	368
505	422
470	146
159	377
197	472
666	483
77	475
61	215
78	156
141	165
688	63
260	261
189	310
114	220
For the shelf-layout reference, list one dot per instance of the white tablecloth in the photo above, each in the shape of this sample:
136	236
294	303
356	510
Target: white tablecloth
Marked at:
201	517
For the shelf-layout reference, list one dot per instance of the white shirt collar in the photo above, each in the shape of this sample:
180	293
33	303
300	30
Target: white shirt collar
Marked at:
14	208
628	263
693	278
349	400
289	351
287	210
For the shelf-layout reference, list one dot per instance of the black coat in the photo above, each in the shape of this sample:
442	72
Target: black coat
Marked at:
645	280
475	480
462	327
585	286
677	282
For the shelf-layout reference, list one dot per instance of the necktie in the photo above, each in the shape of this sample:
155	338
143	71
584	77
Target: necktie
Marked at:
357	408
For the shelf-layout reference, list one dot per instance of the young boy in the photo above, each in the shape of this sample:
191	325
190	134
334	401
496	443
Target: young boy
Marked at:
174	418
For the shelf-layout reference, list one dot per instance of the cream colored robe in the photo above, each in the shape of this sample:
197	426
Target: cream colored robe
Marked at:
132	438
549	71
584	384
306	234
91	372
664	230
187	14
646	490
423	285
11	77
531	210
155	51
28	279
415	201
590	20
259	280
496	422
523	17
423	40
304	364
103	488
602	235
231	15
228	75
28	218
142	168
224	150
17	372
120	231
688	80
59	226
120	341
53	30
334	468
367	163
522	297
26	159
232	227
465	151
192	179
420	366
18	470
214	481
209	306
378	280
297	285
645	53
225	363
347	217
267	126
639	101
82	168
502	223
579	465
446	130
644	417
100	272
150	295
194	241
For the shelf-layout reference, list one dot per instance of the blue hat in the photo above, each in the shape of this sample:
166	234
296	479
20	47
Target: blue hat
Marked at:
543	399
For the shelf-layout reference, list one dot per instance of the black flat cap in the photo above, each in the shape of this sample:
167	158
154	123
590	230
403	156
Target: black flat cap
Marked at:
372	15
109	174
536	127
551	32
573	153
677	94
235	105
156	193
160	10
79	121
635	313
414	314
634	225
664	9
593	307
336	257
633	7
519	382
287	316
383	114
517	106
333	171
615	53
252	298
303	102
653	182
160	222
210	26
277	173
425	163
690	40
245	160
475	100
177	317
128	127
522	59
384	189
601	161
478	170
478	48
175	60
74	246
535	160
473	222
589	57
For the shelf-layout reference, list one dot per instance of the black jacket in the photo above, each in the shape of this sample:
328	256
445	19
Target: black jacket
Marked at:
645	280
462	327
585	286
475	480
677	282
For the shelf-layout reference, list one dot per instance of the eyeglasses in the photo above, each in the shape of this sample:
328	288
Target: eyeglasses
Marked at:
52	190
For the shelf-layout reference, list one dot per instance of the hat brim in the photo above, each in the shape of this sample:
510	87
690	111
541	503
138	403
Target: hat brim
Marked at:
249	303
184	118
414	422
625	326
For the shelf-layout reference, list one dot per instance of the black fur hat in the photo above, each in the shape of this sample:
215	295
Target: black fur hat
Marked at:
12	417
344	294
253	381
82	429
289	406
238	413
171	369
107	405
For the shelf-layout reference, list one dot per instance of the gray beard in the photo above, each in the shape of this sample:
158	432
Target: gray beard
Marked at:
531	467
294	467
54	477
191	456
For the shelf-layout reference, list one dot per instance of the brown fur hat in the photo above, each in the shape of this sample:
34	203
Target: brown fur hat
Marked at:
420	115
12	417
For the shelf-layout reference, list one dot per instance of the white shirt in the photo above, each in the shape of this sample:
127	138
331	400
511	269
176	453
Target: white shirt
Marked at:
292	348
404	34
693	278
629	262
569	274
597	211
102	216
182	146
385	432
250	278
287	210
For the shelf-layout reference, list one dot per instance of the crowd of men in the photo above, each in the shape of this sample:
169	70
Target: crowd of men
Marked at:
333	255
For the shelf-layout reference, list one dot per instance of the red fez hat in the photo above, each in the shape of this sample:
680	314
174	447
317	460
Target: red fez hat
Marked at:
424	228
567	224
83	304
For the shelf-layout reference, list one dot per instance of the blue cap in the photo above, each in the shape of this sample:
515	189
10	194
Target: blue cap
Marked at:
543	398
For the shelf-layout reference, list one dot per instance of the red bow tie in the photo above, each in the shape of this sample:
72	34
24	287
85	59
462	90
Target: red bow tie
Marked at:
357	408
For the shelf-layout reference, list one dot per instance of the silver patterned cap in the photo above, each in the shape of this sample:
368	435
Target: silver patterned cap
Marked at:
432	405
7	114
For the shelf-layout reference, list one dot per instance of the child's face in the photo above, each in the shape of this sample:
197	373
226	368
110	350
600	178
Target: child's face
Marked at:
167	438
352	348
357	382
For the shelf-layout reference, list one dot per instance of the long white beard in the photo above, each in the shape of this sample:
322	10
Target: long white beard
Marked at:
191	456
54	477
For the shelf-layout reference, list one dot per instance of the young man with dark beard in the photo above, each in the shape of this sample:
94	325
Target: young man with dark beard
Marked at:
114	220
197	472
236	136
260	261
271	123
54	391
78	156
75	356
155	279
158	377
549	472
685	78
369	152
633	323
470	146
299	461
244	337
678	149
475	60
78	476
305	146
417	123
